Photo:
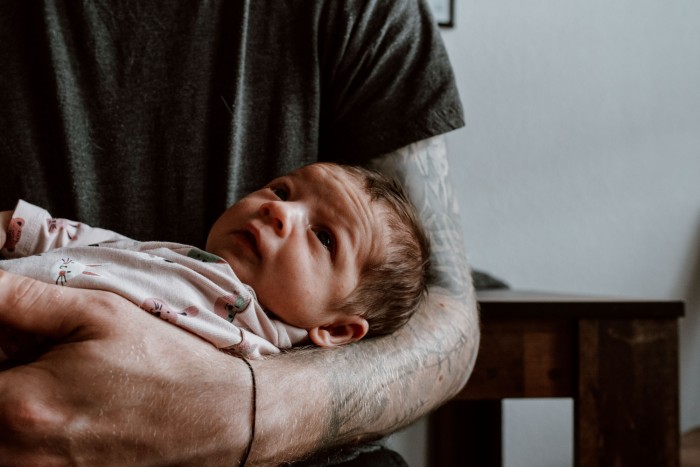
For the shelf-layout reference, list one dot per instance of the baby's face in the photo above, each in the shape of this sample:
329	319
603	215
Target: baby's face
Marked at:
301	242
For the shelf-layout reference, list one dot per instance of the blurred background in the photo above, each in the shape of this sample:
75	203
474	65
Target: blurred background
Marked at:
579	171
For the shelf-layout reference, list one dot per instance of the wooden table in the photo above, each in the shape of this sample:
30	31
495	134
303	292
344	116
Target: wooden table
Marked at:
617	358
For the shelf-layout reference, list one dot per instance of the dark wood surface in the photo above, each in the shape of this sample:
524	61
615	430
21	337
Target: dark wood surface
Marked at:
510	304
616	357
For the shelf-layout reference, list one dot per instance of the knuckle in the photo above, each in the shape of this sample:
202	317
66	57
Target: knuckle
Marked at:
29	416
21	291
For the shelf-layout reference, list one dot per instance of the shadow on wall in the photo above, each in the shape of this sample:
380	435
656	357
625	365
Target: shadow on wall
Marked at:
485	281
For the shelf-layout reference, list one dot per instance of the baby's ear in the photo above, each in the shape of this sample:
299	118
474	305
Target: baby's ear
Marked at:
348	329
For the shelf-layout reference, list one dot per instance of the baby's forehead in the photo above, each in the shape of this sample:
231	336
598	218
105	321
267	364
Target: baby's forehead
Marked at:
331	179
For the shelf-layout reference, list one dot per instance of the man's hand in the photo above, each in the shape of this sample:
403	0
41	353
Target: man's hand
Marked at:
120	388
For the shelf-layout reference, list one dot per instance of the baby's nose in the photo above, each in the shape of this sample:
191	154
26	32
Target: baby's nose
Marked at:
280	214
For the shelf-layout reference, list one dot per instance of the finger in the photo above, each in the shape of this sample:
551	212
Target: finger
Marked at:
33	306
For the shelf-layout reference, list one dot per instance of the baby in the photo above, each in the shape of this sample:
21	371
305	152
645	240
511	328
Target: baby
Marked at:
327	254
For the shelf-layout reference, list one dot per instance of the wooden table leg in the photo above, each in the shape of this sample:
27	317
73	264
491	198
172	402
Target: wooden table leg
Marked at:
626	409
466	433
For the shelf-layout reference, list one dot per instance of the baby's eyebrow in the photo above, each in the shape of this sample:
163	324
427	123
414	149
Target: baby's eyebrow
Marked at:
292	175
277	179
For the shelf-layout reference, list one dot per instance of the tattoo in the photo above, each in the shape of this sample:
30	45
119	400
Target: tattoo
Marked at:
412	371
422	170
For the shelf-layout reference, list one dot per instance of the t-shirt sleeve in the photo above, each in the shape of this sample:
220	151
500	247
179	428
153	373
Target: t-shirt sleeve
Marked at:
387	80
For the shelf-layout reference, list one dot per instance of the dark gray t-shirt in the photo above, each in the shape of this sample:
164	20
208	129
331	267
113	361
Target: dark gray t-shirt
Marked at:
154	116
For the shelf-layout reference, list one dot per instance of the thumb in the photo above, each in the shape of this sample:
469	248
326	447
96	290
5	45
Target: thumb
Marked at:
37	307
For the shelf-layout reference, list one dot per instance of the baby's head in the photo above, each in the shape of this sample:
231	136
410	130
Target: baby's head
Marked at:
393	282
336	250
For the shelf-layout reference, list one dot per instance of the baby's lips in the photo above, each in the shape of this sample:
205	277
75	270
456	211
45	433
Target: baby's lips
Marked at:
251	236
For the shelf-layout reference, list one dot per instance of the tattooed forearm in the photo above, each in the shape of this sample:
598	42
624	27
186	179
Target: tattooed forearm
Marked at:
422	168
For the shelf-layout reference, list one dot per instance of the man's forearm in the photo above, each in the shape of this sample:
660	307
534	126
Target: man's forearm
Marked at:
443	338
380	385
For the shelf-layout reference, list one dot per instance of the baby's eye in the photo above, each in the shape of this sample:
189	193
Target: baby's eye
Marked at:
280	191
326	239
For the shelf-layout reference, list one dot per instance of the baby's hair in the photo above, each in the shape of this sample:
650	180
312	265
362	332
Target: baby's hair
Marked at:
394	282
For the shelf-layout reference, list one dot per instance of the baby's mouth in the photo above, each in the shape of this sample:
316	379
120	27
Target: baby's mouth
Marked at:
251	241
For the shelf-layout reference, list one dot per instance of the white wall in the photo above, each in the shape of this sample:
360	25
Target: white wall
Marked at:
579	167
